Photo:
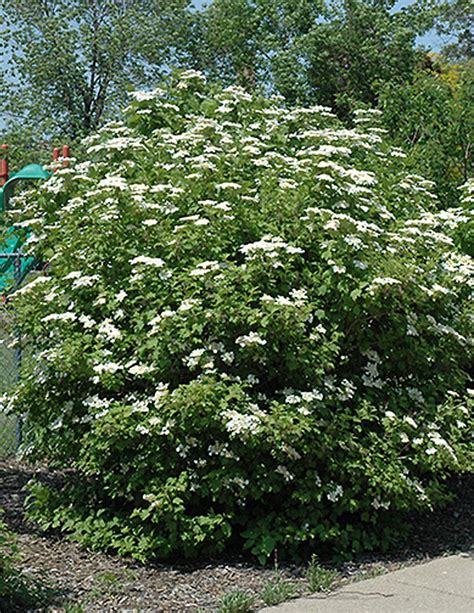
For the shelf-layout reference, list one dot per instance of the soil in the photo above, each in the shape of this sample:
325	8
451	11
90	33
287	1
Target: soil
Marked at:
99	582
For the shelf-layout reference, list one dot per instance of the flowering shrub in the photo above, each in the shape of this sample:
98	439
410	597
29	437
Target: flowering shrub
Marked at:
254	330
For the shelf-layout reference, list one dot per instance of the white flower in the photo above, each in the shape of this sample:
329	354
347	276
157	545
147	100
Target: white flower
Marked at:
60	317
120	297
335	493
114	182
142	429
415	394
160	393
228	357
377	503
141	96
328	150
193	359
228	185
32	284
385	281
140	369
75	274
143	259
410	421
240	423
282	470
204	268
87	321
269	245
346	390
108	367
96	402
109	331
187	305
251	339
299	295
279	300
287	184
85	281
188	75
311	396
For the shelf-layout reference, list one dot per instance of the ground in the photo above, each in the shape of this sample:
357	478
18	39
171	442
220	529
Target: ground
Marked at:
100	582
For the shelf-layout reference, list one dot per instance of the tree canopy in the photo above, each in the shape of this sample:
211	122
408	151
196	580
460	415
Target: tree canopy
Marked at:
313	52
71	63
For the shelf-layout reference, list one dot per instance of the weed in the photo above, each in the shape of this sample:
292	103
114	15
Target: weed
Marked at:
277	590
319	579
18	592
236	602
73	607
373	572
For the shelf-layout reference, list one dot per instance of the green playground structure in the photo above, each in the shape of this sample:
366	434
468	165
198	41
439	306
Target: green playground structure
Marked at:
14	266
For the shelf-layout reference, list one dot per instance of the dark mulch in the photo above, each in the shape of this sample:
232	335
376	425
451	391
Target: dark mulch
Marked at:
107	583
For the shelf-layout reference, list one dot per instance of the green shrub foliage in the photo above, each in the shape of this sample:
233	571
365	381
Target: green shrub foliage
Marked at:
253	330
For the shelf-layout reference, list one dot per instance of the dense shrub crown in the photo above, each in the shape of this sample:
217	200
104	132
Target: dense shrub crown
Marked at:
254	329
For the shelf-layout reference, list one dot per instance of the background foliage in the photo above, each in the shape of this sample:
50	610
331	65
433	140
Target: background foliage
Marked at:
432	119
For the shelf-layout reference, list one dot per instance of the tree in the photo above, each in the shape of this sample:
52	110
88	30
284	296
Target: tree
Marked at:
312	51
455	22
71	63
432	118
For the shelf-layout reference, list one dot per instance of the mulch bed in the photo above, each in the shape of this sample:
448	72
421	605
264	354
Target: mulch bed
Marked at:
106	583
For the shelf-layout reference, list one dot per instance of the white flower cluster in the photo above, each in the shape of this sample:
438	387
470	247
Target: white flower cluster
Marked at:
252	339
297	298
68	316
335	492
204	268
270	246
109	331
371	377
379	282
240	423
147	261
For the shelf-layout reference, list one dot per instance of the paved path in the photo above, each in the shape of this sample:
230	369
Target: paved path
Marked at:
445	585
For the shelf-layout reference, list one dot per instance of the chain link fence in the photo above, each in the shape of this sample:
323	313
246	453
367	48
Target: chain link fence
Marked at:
10	352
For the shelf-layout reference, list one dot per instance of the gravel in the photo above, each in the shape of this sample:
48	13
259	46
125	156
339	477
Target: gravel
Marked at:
107	583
